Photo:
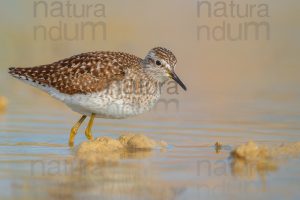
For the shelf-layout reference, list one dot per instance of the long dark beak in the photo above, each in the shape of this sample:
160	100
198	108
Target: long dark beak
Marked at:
177	79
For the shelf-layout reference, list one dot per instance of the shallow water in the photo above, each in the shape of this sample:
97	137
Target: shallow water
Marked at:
35	161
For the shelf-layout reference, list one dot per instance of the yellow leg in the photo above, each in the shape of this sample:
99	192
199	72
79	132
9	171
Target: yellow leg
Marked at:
74	130
88	132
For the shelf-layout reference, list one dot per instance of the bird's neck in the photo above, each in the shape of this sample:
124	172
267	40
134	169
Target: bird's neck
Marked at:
153	74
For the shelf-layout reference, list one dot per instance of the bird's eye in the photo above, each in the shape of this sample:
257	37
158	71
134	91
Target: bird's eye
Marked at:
158	63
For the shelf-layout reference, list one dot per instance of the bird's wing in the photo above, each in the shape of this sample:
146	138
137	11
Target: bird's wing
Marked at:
80	74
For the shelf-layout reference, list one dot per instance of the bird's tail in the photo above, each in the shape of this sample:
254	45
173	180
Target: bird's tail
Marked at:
19	73
29	75
15	72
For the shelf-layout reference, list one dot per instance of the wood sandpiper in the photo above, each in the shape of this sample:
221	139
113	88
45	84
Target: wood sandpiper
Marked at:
104	84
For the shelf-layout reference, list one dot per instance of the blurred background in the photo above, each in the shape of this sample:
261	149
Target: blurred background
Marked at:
239	60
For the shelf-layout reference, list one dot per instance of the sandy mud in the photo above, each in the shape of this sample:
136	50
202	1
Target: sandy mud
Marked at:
251	159
105	149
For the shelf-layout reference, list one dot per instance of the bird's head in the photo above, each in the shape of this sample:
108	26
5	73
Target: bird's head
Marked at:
160	64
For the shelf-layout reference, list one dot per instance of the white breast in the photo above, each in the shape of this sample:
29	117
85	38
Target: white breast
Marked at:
106	105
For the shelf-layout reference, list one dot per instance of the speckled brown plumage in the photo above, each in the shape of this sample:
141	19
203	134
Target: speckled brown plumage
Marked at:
80	74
